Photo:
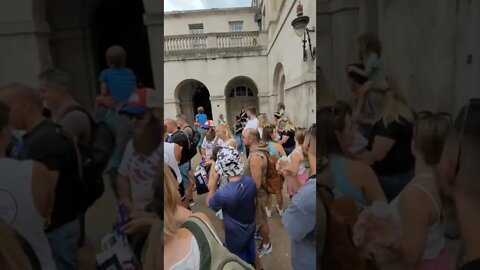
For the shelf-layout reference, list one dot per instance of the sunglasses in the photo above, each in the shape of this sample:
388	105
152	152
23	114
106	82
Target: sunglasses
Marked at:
473	101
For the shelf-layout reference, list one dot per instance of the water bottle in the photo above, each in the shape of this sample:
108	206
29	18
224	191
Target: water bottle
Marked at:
202	162
123	218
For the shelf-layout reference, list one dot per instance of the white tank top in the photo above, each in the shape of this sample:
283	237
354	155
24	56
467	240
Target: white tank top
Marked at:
169	158
301	168
191	261
435	234
18	209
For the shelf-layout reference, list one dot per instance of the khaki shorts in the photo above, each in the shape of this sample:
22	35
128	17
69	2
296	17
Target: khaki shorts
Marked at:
261	203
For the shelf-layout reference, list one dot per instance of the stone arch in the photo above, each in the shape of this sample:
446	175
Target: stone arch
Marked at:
189	95
73	43
279	83
240	91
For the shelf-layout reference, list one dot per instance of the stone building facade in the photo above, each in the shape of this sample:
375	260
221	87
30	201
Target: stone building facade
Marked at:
223	59
431	47
38	34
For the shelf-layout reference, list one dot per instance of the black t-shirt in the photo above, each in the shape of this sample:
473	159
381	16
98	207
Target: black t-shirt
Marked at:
181	139
238	128
400	158
472	265
291	138
48	144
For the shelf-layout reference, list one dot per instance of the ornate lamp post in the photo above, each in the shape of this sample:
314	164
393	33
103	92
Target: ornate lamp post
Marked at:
300	26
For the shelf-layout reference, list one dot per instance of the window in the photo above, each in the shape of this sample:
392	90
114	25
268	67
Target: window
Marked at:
241	91
199	42
236	26
196	28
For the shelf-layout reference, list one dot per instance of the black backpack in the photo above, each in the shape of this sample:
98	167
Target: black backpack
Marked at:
194	141
95	158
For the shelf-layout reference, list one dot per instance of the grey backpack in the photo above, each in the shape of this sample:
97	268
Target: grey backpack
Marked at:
214	256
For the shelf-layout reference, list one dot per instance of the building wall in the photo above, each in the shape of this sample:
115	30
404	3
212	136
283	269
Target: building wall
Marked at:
215	75
214	20
285	47
36	34
431	47
281	46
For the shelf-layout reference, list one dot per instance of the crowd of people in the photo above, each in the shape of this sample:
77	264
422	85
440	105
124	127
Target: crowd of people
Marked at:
241	188
400	179
53	157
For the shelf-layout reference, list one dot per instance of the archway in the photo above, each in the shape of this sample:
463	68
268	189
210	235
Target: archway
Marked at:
240	92
279	83
82	30
120	22
191	94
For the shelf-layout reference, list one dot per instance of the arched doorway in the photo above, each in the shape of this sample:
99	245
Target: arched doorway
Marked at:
82	30
191	94
120	22
279	84
240	92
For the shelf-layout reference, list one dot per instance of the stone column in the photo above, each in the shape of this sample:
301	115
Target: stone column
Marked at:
72	51
154	21
24	49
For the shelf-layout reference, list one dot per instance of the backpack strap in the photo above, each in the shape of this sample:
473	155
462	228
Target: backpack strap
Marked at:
203	235
75	107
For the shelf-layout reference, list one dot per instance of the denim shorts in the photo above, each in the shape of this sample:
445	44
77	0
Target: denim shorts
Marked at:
184	169
64	244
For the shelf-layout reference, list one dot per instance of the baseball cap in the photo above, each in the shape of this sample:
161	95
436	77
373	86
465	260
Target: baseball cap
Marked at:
208	124
141	101
228	162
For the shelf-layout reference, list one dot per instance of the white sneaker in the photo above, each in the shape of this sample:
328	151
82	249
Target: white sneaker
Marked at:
269	212
280	211
262	251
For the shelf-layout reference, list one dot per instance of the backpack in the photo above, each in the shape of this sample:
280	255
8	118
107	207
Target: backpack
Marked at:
338	252
193	142
273	180
214	256
95	158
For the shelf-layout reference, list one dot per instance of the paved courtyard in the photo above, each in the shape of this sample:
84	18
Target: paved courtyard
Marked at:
102	216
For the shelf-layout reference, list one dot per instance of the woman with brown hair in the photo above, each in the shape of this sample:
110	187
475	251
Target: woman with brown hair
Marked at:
140	161
352	178
419	205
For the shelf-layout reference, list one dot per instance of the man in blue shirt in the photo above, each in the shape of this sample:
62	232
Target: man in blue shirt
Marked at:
237	200
299	219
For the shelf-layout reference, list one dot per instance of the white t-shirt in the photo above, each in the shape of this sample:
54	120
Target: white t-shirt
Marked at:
140	171
252	123
169	159
208	146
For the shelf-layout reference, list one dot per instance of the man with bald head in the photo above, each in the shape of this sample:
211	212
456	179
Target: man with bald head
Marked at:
256	167
47	143
178	137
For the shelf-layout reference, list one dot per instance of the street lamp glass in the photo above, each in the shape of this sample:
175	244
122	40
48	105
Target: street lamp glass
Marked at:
299	31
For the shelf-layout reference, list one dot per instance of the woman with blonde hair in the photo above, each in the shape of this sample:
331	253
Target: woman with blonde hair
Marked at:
180	248
224	136
287	136
390	154
263	122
